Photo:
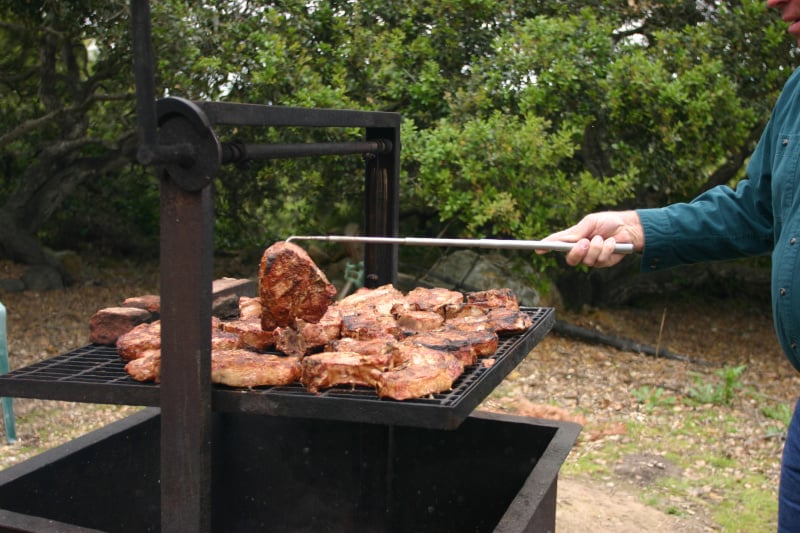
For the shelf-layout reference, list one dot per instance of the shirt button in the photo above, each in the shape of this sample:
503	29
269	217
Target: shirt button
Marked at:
785	142
793	346
793	241
782	291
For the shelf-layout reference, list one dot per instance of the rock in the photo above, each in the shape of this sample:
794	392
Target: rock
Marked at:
466	270
11	285
42	278
70	265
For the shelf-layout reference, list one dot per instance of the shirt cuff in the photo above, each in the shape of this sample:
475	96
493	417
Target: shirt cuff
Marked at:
658	253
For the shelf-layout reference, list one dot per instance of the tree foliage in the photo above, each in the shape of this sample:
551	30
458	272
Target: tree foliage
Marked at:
518	116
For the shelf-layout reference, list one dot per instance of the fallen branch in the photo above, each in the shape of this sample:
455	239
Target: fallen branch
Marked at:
571	330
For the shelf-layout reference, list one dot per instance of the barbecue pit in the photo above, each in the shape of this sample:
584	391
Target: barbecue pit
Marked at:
208	449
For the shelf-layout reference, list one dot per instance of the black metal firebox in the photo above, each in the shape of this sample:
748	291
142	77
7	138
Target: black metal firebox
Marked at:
278	474
217	459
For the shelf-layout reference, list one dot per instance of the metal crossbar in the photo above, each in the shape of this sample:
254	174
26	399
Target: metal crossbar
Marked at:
6	404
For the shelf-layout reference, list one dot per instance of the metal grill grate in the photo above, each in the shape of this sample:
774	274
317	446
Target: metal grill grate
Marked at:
96	374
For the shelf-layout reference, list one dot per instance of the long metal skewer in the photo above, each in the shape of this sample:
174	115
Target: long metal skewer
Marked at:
509	244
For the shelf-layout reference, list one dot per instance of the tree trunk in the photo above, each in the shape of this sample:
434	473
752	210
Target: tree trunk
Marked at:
45	187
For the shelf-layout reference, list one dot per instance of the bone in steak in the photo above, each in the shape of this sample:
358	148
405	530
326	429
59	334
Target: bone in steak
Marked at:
290	342
435	299
244	368
470	323
327	369
109	324
424	371
379	300
250	332
146	367
145	337
466	346
366	325
318	334
291	286
508	321
413	321
464	310
249	308
134	343
373	346
493	298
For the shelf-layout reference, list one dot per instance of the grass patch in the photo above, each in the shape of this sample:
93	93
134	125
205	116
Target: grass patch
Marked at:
715	472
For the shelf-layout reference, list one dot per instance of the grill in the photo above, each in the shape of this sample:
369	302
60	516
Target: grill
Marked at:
96	374
275	458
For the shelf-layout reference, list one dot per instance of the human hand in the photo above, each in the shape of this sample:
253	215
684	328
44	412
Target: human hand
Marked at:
596	235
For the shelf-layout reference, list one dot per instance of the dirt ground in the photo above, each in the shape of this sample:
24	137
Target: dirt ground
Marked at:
584	506
562	378
593	384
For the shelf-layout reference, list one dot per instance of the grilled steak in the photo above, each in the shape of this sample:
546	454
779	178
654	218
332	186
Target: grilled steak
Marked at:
493	299
148	302
509	321
289	342
373	346
464	310
436	299
471	323
327	369
317	335
291	286
146	337
249	308
250	332
137	341
412	321
146	367
466	346
225	340
367	325
109	324
379	300
245	368
424	371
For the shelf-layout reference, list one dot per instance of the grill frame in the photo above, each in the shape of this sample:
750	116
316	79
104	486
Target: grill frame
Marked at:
177	137
95	374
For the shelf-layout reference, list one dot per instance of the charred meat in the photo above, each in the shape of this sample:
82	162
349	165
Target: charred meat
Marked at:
291	286
327	369
245	368
423	371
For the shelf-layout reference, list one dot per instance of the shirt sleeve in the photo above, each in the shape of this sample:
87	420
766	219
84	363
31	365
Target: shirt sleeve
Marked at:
720	224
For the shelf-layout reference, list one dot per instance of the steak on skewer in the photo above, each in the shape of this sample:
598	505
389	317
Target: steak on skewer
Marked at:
291	286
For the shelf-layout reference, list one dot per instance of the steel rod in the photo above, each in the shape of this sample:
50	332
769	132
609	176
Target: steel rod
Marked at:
509	244
234	152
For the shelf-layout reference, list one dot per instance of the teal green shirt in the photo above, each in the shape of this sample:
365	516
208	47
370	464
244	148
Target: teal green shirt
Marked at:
760	216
